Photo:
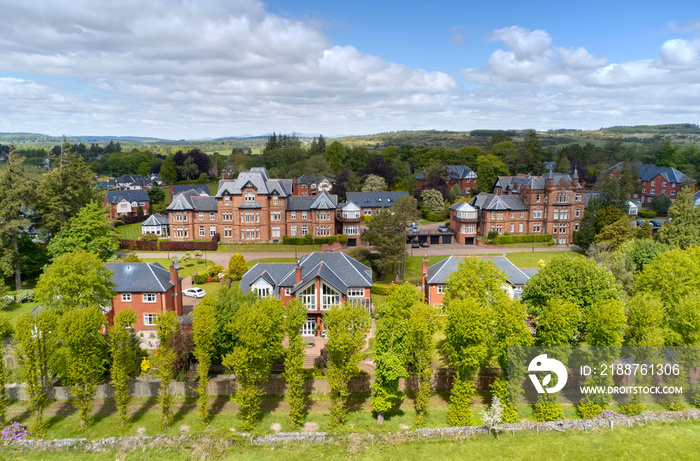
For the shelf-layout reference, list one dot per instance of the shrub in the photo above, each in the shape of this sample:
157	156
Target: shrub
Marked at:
132	258
589	410
309	239
343	239
24	296
237	266
547	411
633	408
379	290
214	271
435	217
492	235
14	432
200	278
647	214
506	239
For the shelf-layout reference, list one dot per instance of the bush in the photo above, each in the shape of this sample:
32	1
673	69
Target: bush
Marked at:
24	296
343	239
547	411
237	266
379	290
589	410
435	217
150	237
647	214
214	271
633	408
506	239
198	279
492	235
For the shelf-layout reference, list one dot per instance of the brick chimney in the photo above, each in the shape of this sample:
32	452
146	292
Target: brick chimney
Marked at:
424	279
177	290
171	193
574	178
297	274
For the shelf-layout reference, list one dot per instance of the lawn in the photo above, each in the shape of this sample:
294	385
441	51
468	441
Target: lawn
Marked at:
15	310
253	262
528	260
129	231
186	269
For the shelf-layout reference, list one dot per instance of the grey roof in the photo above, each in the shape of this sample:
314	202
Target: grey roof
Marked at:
349	206
438	273
492	202
117	196
140	277
322	201
374	199
311	179
454	172
156	219
199	188
649	172
192	201
514	184
697	194
530	272
337	269
461	205
249	205
131	179
258	179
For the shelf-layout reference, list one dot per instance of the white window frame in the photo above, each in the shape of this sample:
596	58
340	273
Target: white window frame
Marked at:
356	292
200	215
441	289
212	231
126	297
308	296
150	320
329	296
274	199
149	297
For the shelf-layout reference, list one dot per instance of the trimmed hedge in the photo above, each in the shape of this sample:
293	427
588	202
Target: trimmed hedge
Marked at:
317	241
647	214
166	245
505	239
379	289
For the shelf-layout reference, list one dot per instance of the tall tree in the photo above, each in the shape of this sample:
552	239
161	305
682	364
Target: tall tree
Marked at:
345	326
64	190
683	230
374	183
168	170
336	155
164	360
35	336
89	230
85	348
76	279
204	328
422	324
295	317
259	332
387	231
16	194
123	347
489	168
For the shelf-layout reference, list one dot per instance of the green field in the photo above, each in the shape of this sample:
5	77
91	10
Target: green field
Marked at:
186	269
129	231
529	260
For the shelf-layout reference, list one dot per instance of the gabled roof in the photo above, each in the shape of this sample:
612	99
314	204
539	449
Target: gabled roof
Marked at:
322	201
312	179
336	269
374	199
454	172
349	206
492	202
462	206
649	172
116	196
438	273
514	184
192	201
201	189
155	219
140	277
258	179
130	179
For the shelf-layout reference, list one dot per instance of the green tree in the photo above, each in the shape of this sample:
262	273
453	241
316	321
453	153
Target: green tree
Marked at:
156	195
259	344
387	231
345	325
671	275
617	233
374	183
645	232
188	170
336	155
422	324
645	321
85	347
661	204
529	155
16	194
580	281
89	230
488	169
168	170
124	350
478	278
295	317
64	191
74	280
237	266
683	230
5	330
228	302
164	362
204	328
36	342
432	202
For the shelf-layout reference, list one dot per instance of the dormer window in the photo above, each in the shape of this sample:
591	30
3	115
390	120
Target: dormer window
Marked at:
226	200
249	197
274	199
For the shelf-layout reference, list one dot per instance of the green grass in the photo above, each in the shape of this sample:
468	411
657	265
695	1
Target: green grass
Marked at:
15	310
129	231
266	248
253	262
186	269
528	260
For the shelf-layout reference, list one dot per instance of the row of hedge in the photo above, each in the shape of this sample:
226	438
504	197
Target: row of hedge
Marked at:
166	245
646	214
309	239
124	220
379	289
506	239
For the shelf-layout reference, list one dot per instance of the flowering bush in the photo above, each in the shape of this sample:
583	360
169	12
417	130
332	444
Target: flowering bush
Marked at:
145	365
608	414
14	431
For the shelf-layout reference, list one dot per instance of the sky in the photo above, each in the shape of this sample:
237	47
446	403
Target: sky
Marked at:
215	68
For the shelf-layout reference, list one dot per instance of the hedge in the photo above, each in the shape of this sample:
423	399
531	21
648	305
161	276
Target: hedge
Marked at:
165	245
124	220
647	214
317	241
505	239
379	290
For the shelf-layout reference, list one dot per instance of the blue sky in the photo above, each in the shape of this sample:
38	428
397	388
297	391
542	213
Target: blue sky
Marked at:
195	69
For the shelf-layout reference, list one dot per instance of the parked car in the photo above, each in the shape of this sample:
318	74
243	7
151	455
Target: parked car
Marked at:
414	229
654	223
640	223
425	244
194	292
443	229
415	244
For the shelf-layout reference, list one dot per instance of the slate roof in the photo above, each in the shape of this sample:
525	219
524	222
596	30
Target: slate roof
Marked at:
374	199
492	202
454	172
649	172
438	273
349	206
312	179
116	196
462	206
322	201
514	184
336	269
140	277
190	200
155	219
199	188
258	179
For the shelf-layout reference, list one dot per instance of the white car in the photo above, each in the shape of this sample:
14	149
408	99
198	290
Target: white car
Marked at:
194	292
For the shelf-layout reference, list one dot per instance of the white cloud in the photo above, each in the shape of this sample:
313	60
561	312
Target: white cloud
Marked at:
523	42
679	52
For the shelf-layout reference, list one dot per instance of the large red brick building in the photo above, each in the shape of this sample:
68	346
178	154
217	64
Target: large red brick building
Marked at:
653	181
461	175
522	205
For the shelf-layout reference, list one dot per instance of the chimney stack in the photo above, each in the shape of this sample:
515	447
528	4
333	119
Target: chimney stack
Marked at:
297	274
